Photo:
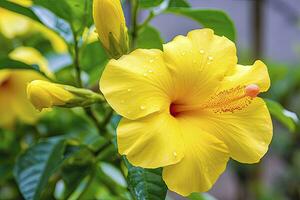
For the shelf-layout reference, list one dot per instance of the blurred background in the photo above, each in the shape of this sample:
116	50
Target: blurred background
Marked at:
265	29
274	23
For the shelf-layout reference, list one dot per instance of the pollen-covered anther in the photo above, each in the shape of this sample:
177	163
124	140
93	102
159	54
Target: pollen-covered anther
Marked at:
232	99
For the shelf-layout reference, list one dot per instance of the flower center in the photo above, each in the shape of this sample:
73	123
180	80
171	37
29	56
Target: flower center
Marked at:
225	101
173	110
5	83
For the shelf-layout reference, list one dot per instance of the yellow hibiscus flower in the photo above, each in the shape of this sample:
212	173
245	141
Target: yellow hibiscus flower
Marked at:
189	109
14	104
13	24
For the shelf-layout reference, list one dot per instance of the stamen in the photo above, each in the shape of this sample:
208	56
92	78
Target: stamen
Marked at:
228	100
233	99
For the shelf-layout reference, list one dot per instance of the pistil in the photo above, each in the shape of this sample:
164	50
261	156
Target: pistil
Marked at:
225	101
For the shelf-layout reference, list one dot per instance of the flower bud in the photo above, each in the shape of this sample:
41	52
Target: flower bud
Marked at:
111	26
44	94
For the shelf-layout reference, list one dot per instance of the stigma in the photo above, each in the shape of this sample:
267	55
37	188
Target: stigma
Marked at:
233	99
252	90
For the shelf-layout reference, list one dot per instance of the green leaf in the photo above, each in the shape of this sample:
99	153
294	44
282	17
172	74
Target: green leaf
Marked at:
78	13
35	166
7	63
178	3
76	168
112	173
201	196
93	59
145	184
149	3
149	38
217	20
287	118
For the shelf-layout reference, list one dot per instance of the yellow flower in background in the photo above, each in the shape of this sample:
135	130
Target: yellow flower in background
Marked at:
25	3
31	56
14	104
45	94
189	109
111	26
13	24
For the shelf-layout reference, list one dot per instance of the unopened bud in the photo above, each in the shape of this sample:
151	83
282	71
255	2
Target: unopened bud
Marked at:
111	27
44	94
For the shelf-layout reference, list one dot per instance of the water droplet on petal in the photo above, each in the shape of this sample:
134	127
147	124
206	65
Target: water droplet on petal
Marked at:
145	74
210	58
174	154
202	51
128	90
150	71
151	60
183	53
142	107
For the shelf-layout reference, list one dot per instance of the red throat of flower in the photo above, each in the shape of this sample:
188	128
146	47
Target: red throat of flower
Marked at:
5	83
225	101
173	110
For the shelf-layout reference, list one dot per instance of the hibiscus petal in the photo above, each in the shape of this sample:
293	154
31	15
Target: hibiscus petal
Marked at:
204	160
31	56
151	142
246	75
137	84
246	132
198	64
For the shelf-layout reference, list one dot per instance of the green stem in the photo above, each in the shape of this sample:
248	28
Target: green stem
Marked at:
76	60
76	63
108	151
92	116
147	20
107	119
134	22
